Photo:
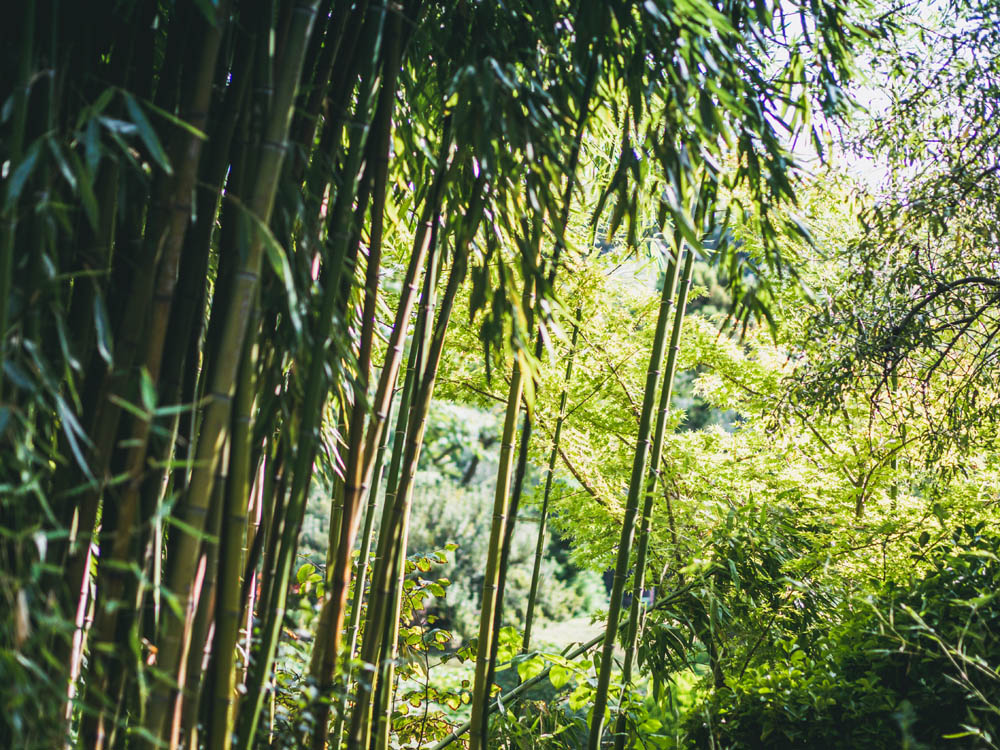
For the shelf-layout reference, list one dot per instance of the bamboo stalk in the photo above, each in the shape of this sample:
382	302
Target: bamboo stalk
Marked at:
392	482
214	427
360	579
547	492
638	577
228	610
173	218
301	475
380	602
636	485
423	338
360	456
487	632
390	535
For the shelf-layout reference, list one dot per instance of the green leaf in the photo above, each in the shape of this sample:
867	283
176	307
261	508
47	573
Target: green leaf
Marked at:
22	173
85	189
530	668
146	132
63	165
74	435
92	146
175	120
559	676
105	344
147	390
278	260
303	573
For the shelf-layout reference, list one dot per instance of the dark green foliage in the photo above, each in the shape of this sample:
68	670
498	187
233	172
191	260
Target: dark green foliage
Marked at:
912	665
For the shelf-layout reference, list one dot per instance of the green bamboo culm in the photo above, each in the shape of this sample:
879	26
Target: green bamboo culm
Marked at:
635	488
356	475
314	396
638	577
219	395
501	501
228	607
361	578
397	520
166	232
529	615
386	586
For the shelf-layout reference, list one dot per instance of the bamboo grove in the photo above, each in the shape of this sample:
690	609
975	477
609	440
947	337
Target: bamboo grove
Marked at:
234	234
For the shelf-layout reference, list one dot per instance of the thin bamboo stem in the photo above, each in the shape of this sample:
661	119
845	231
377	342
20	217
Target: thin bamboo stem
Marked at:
228	609
636	485
487	634
380	604
385	663
638	577
529	616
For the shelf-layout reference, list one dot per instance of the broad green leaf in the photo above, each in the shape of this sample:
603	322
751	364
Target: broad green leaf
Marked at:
303	573
559	676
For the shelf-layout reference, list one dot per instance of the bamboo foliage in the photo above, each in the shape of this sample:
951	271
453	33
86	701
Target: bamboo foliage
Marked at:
216	222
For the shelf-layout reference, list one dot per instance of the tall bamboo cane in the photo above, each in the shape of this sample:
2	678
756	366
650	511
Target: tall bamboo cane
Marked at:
526	430
399	514
480	695
383	589
392	481
547	492
215	424
118	549
631	510
385	606
361	577
341	568
228	607
301	477
638	577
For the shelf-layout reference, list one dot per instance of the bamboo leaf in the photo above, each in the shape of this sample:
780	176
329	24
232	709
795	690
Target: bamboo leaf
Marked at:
147	390
175	120
128	406
61	162
74	435
85	189
22	173
303	573
278	260
92	146
146	132
559	676
91	113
